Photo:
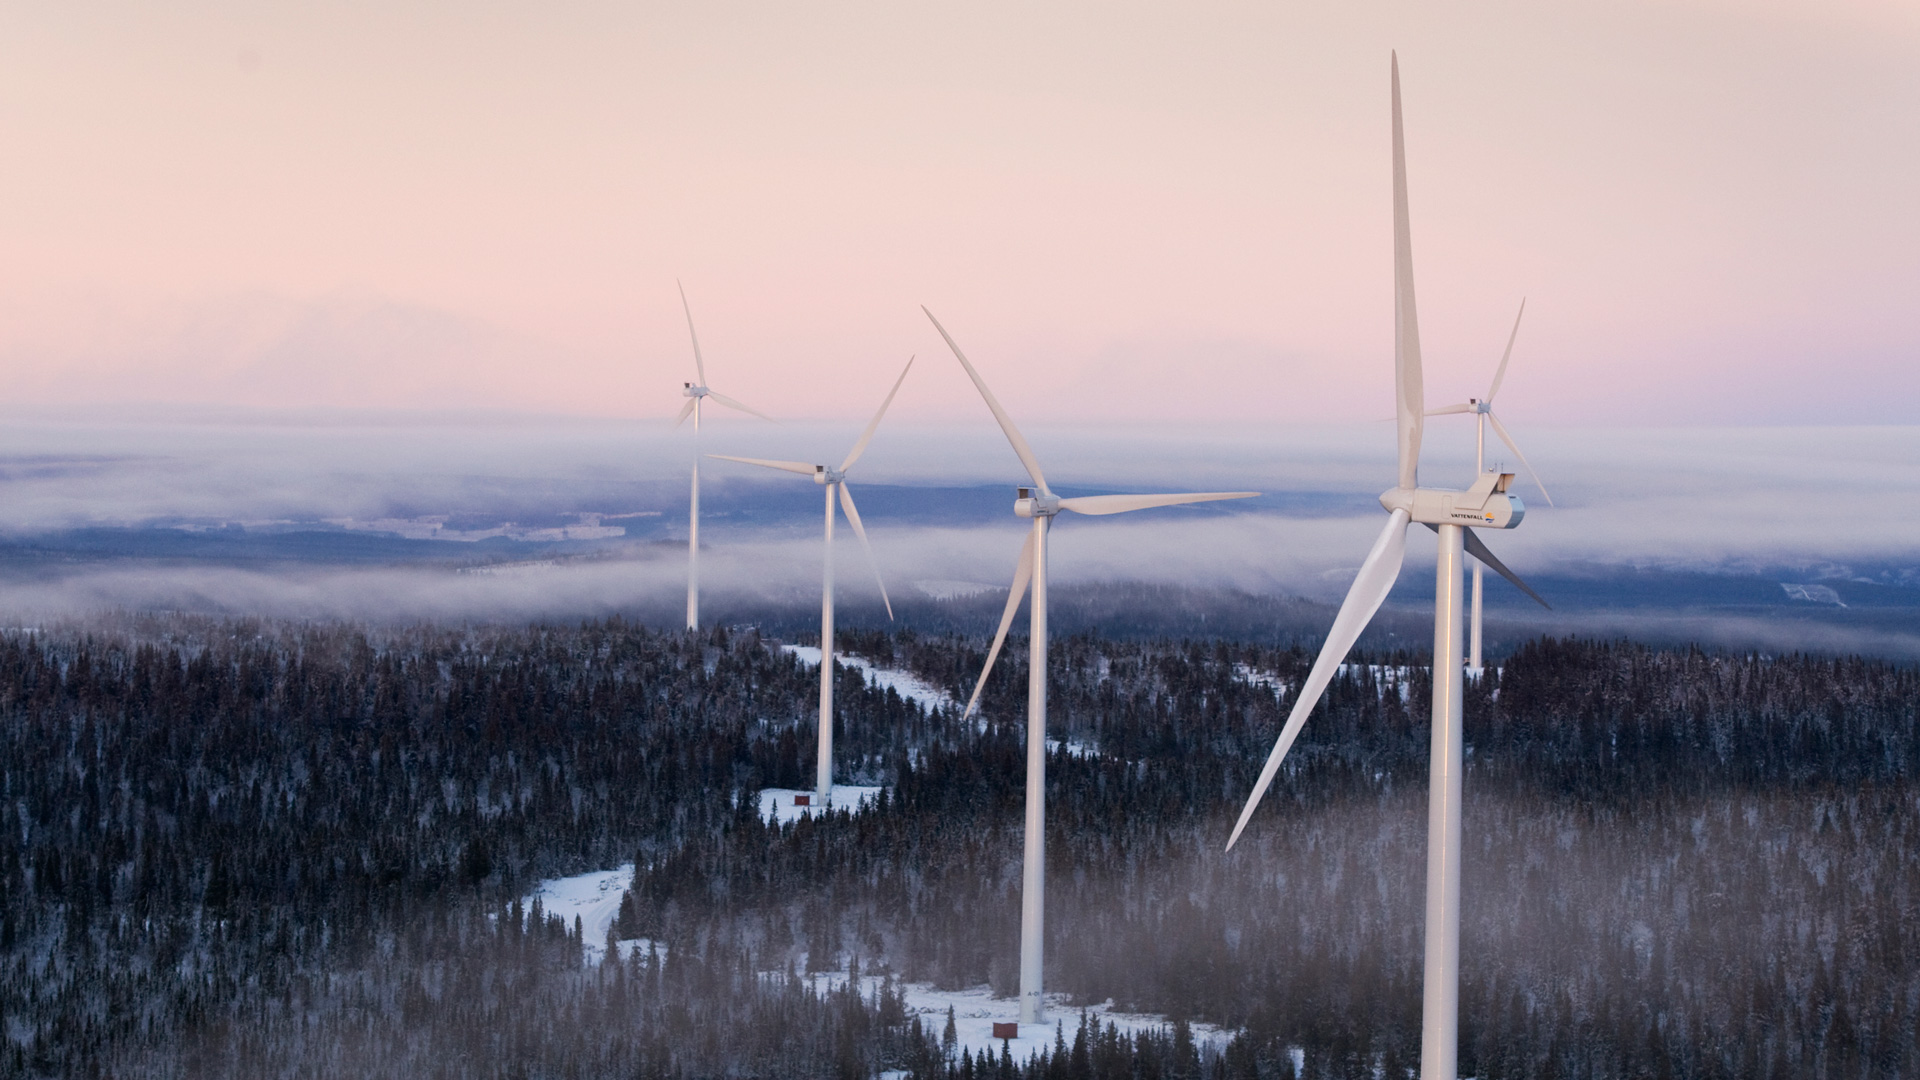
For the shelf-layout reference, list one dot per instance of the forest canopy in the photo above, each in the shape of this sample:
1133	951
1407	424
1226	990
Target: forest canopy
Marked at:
257	849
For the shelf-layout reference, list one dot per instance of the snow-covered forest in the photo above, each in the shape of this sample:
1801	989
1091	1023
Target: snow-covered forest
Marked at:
251	849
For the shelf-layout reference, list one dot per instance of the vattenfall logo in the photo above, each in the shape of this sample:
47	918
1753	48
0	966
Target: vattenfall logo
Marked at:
1473	515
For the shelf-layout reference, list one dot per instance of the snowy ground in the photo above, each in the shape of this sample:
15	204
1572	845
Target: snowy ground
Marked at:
1389	677
1073	747
1255	677
778	803
977	1010
912	688
595	899
906	684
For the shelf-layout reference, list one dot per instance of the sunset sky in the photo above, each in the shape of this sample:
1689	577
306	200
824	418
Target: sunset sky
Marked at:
1176	212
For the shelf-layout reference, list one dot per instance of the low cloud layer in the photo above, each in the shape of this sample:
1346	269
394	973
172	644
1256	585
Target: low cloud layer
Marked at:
1817	504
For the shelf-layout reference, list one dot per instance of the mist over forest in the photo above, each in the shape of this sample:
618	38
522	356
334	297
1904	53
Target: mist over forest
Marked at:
1668	536
258	848
295	722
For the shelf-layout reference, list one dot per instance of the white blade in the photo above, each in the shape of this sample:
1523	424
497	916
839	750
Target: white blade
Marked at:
1477	548
1409	394
732	404
685	411
1501	430
1096	505
853	518
1022	576
867	435
698	364
800	467
1018	440
1369	590
1449	409
1505	356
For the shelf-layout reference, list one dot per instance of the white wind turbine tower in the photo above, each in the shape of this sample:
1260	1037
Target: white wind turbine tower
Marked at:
696	392
1452	514
1041	504
1482	410
834	480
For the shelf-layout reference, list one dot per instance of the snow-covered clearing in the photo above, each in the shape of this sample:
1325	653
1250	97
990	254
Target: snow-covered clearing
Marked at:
1073	747
779	804
906	684
1391	678
1253	676
595	900
975	1012
912	688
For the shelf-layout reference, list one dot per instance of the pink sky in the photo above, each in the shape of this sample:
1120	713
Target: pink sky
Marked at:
1122	211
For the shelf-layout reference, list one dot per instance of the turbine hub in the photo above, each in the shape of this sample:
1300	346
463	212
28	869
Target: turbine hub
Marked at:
1031	504
1482	407
693	391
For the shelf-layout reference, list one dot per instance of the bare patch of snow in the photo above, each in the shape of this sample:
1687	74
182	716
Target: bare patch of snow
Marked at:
909	686
595	900
1073	747
975	1011
1253	676
781	804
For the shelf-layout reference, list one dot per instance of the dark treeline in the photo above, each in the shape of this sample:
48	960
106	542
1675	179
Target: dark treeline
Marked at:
252	850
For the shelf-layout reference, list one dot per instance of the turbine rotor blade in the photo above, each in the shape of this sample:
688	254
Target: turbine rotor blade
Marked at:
1477	548
1096	505
1500	429
1409	394
866	436
1369	590
685	411
732	404
1449	409
800	467
699	365
1501	373
1018	440
1022	576
853	518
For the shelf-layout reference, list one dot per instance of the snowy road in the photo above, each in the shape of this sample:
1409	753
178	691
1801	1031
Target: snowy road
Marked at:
906	684
595	899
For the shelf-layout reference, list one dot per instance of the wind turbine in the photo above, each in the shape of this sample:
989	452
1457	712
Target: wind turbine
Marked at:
1041	504
1482	410
1454	515
696	392
834	480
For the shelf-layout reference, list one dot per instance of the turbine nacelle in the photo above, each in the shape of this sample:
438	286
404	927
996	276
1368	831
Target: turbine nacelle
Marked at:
1029	505
827	474
1485	505
693	391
